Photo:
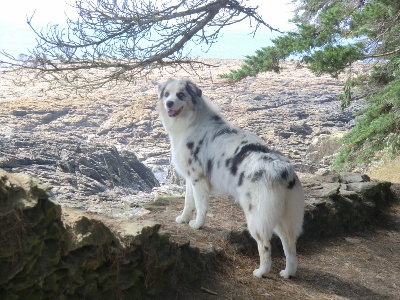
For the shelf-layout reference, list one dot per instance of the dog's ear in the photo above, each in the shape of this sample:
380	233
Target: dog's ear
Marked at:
162	86
193	90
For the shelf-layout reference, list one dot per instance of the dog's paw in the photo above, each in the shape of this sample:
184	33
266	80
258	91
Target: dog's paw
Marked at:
181	219
259	273
195	225
286	274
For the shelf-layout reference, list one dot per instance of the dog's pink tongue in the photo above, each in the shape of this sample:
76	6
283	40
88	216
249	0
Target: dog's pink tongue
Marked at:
171	113
174	113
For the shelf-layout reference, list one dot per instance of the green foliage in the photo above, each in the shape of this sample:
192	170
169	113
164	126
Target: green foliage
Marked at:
333	59
266	59
377	132
331	35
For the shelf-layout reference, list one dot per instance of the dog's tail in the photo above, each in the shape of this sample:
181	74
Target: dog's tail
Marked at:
291	188
295	207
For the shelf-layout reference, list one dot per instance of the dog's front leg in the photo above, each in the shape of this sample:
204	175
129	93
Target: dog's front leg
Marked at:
189	207
201	195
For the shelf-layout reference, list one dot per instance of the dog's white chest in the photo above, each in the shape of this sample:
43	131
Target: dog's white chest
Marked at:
180	156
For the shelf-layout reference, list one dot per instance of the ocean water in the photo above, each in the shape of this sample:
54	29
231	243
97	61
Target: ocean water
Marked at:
233	43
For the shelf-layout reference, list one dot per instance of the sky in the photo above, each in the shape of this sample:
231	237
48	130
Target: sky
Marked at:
16	36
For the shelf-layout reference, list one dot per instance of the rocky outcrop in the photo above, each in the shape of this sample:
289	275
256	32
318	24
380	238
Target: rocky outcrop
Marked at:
49	254
59	137
81	172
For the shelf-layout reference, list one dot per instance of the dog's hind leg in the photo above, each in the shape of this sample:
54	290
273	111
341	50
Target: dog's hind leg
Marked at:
288	238
289	228
264	250
189	207
262	236
201	196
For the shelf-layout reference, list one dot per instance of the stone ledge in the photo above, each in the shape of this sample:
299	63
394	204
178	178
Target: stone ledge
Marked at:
50	253
343	202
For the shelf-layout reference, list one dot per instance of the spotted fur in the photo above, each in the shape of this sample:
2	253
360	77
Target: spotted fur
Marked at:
215	156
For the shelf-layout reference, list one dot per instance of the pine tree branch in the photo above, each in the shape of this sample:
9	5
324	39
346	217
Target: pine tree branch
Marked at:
382	54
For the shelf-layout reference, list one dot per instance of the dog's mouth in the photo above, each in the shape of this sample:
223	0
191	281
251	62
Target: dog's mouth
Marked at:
173	113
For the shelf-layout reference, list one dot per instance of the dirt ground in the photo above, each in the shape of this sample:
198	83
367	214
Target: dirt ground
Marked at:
359	265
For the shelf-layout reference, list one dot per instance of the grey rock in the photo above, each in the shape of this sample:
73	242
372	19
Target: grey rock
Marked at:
325	190
353	177
320	152
288	110
76	167
336	207
368	189
303	129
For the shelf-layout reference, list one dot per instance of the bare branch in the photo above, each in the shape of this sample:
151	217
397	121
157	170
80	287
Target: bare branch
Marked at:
126	39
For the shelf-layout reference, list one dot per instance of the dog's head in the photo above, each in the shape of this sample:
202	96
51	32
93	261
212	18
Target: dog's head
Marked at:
176	96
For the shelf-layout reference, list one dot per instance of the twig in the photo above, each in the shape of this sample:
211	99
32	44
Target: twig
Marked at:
208	291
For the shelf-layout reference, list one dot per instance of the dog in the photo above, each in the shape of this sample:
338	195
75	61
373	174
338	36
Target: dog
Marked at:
214	156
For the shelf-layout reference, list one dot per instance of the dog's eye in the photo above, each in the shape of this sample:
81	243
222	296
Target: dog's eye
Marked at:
180	95
166	94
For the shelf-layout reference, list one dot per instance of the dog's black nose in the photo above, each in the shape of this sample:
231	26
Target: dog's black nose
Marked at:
170	104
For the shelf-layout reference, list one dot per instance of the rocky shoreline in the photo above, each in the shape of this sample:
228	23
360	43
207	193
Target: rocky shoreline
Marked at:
97	150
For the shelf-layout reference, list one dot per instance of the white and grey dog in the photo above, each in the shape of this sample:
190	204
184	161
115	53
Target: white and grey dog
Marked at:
216	157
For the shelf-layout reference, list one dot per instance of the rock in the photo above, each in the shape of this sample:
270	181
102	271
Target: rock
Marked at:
332	208
242	241
351	202
367	189
303	129
325	190
85	255
287	110
78	169
320	152
353	241
353	177
88	232
46	253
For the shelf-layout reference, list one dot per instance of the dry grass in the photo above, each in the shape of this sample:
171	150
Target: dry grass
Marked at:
387	169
